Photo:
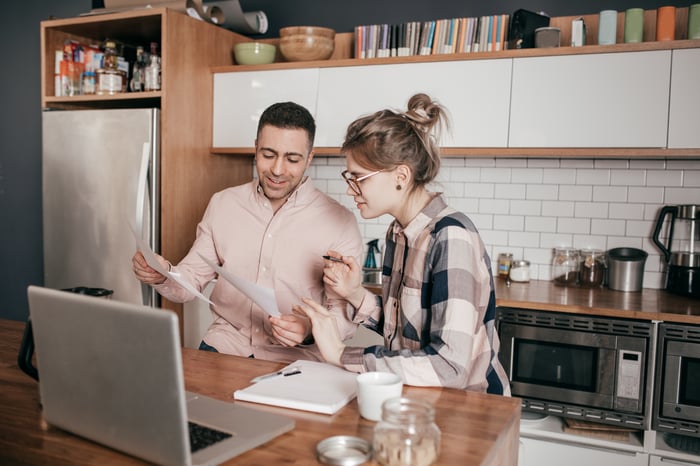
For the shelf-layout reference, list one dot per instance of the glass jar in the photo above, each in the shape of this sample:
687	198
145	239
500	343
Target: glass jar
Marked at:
504	261
592	270
407	434
520	271
565	266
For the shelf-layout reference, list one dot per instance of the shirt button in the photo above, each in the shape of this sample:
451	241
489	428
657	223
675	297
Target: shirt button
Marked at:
269	235
257	330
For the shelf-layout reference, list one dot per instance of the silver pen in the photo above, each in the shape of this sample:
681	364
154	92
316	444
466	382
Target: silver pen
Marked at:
283	373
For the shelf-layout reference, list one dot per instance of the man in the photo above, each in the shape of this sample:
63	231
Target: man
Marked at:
272	231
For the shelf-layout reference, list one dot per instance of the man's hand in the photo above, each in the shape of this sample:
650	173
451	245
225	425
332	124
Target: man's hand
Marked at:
291	329
146	273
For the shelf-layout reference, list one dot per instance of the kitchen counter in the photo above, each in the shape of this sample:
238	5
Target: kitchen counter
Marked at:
647	304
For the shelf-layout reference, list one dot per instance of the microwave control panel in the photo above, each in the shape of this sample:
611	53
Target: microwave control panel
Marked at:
629	377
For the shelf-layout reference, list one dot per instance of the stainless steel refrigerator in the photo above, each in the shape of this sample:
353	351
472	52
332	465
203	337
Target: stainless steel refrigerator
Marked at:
100	181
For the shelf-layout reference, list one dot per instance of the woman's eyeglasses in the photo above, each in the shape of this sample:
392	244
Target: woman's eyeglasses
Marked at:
354	182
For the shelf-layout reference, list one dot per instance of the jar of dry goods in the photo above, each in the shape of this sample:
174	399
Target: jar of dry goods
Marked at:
520	271
504	261
592	269
406	435
565	266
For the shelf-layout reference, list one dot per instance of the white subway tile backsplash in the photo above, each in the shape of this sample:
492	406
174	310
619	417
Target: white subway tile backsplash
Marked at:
664	178
682	196
574	225
528	206
575	193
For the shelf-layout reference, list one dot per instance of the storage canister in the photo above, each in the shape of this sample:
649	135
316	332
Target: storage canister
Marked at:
407	434
626	269
520	271
565	265
592	270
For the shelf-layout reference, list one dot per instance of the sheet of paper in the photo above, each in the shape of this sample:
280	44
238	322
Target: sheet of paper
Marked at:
262	296
152	260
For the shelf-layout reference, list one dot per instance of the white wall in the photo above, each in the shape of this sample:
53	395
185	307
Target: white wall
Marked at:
529	206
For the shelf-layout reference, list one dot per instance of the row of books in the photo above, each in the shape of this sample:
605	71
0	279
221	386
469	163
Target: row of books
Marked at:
455	35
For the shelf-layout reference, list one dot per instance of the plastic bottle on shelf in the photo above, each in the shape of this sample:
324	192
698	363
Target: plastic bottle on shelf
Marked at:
110	79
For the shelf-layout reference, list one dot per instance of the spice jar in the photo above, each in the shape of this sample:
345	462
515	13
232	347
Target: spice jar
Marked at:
407	434
592	270
504	261
565	266
520	271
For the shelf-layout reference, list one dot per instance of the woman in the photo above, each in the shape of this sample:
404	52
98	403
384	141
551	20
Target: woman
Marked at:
437	308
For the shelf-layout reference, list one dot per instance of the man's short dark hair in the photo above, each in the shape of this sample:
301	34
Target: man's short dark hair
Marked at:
289	115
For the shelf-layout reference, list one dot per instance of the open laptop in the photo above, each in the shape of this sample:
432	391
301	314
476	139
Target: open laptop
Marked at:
112	372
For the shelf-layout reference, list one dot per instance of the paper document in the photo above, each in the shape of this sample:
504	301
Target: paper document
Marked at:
262	296
152	260
317	386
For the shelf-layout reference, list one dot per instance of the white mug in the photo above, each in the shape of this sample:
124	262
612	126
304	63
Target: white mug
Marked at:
373	388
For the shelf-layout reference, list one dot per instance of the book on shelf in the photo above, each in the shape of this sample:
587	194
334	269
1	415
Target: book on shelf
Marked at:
433	37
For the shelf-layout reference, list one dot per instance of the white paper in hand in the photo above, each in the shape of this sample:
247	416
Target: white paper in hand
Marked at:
152	261
262	296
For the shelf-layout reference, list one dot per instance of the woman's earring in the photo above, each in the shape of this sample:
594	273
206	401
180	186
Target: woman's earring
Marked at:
398	187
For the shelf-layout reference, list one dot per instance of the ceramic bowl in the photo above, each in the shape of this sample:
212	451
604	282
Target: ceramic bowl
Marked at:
300	47
254	53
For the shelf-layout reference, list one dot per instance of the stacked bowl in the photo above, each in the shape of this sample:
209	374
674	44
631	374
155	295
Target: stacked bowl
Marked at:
306	43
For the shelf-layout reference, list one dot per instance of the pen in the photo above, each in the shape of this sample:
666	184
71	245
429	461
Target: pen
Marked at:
283	373
334	259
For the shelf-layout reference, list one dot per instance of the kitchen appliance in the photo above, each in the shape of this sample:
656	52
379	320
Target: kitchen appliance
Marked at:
677	235
578	366
100	182
626	269
677	398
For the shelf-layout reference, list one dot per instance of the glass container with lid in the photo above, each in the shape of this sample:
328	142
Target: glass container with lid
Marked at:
565	266
407	434
593	265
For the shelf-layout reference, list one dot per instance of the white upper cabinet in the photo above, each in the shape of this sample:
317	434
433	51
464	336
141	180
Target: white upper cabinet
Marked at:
597	100
476	94
241	97
684	117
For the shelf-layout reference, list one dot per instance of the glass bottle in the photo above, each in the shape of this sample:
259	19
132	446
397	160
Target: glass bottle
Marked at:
110	79
504	261
406	435
152	71
592	270
565	266
139	69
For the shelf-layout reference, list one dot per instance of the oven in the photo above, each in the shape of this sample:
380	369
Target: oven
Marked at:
578	366
677	398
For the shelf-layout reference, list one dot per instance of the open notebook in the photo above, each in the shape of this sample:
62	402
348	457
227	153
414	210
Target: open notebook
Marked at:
318	387
112	372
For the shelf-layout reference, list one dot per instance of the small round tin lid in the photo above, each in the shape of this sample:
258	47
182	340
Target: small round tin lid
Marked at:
343	450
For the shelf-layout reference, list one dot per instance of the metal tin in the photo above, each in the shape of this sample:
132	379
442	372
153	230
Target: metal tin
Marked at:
520	271
343	450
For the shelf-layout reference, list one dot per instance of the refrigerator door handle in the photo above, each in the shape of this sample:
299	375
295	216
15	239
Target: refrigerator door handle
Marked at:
142	187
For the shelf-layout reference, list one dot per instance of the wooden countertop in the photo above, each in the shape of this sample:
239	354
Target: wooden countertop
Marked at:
647	304
477	429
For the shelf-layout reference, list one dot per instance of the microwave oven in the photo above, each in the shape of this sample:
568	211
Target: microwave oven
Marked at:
585	367
677	397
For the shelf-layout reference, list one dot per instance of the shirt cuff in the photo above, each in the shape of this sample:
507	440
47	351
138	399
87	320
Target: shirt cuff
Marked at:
352	359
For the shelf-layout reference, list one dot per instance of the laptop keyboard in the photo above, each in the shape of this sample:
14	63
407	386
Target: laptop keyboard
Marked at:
201	437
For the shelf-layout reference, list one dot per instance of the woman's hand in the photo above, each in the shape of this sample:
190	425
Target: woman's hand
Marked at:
291	329
344	278
324	328
145	273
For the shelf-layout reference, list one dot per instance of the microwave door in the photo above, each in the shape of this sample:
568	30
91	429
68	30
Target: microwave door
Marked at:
681	391
560	365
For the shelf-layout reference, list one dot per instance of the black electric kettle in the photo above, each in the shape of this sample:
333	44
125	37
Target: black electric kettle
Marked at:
681	248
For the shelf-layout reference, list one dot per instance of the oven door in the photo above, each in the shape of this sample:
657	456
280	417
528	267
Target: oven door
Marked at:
574	367
681	390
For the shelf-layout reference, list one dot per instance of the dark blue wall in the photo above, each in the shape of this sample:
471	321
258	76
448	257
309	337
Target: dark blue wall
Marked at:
20	129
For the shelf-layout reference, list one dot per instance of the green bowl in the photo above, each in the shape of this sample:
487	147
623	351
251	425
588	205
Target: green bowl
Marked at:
254	53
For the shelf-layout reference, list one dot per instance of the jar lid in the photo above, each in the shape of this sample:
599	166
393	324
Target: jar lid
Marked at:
343	450
520	263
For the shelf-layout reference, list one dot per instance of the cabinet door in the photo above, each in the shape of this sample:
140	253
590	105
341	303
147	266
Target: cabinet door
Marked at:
241	97
663	461
476	94
534	452
684	117
602	100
